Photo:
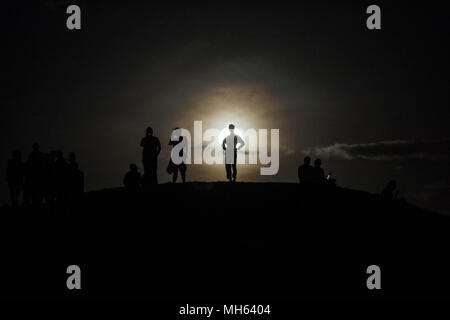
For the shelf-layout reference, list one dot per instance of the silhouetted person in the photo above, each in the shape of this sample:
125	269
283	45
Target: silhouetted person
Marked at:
15	173
305	171
132	179
389	191
73	160
35	175
318	175
50	180
61	177
75	178
331	180
173	168
151	149
229	144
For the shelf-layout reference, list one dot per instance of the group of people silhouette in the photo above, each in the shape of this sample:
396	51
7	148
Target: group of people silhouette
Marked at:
151	148
49	177
43	177
309	174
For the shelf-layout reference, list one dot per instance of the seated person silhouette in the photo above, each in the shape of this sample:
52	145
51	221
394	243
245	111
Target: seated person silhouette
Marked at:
132	179
330	180
318	173
229	144
173	168
389	191
305	171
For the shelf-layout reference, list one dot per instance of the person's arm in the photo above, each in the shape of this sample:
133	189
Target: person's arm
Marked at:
158	146
223	144
142	142
241	142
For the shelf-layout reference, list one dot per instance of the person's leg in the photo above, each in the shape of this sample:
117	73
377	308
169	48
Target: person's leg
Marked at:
145	176
228	170
175	175
234	166
154	172
153	177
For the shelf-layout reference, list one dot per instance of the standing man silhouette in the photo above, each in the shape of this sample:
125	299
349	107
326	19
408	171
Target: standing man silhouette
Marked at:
306	171
150	153
229	144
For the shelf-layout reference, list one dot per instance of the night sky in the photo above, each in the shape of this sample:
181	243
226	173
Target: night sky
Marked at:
374	105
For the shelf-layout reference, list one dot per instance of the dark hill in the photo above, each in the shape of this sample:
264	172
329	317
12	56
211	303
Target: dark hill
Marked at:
214	241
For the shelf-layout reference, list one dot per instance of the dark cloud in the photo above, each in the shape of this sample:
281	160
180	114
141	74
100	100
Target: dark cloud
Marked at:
386	150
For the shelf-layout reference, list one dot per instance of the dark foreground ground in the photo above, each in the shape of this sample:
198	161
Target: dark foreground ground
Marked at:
221	242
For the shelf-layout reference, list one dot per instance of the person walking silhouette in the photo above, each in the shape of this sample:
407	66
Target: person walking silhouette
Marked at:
230	145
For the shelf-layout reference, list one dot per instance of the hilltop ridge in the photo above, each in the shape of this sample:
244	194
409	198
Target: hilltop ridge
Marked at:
227	240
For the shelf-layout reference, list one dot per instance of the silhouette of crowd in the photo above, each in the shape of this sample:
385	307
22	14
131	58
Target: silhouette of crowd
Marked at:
49	177
151	145
44	177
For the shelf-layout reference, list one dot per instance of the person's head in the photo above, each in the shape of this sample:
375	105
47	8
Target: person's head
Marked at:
231	127
317	163
133	167
35	146
16	154
307	160
149	131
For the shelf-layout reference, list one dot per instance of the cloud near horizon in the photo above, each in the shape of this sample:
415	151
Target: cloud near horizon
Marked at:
386	150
